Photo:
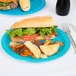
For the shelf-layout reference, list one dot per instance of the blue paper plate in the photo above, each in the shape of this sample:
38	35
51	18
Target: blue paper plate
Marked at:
62	36
36	5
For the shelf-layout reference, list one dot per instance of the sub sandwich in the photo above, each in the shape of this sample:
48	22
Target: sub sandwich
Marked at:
36	28
25	5
8	4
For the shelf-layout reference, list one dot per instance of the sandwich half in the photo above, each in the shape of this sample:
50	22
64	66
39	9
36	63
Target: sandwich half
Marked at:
8	4
36	28
25	5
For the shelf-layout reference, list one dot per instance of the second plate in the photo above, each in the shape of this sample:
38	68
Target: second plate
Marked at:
36	5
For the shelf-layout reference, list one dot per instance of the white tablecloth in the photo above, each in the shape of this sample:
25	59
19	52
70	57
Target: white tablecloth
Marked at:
64	66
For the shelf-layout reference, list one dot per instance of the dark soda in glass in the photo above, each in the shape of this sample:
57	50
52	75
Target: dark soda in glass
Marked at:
63	7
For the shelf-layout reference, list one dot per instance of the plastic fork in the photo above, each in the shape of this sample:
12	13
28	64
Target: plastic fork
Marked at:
68	32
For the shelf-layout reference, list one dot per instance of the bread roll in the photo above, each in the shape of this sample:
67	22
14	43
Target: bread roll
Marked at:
35	22
8	0
25	5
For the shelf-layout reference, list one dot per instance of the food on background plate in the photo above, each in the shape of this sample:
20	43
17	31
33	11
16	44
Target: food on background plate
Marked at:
36	28
12	4
25	5
8	4
35	50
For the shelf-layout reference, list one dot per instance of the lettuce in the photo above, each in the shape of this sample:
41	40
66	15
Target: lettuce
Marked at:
15	32
30	31
54	29
45	31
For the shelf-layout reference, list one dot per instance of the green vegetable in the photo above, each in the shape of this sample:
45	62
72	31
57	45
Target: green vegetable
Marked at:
30	31
4	8
15	32
7	3
0	3
4	4
9	32
54	29
18	32
45	31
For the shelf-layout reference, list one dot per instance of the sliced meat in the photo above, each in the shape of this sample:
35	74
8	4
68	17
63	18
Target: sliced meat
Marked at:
13	5
19	39
38	43
32	38
25	38
48	37
39	38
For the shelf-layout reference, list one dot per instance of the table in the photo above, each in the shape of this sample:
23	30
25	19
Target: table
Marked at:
64	66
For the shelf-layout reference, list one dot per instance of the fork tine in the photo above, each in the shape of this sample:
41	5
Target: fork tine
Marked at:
66	28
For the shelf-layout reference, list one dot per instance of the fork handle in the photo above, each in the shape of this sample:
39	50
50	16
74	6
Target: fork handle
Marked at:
73	43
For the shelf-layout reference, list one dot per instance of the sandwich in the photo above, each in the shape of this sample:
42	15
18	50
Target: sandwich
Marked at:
25	5
36	28
8	4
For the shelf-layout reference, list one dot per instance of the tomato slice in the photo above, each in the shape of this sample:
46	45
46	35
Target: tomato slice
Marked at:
54	34
30	38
